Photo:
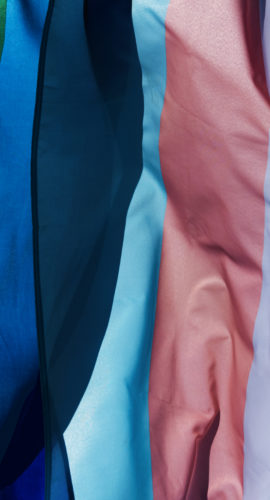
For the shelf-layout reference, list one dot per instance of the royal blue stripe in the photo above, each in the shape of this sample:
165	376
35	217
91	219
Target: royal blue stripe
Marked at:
19	363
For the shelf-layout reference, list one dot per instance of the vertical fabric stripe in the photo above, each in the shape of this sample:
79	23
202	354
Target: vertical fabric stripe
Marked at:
257	411
19	363
107	440
213	149
89	160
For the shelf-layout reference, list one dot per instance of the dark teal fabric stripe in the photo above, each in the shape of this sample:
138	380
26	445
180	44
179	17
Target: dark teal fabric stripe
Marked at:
89	160
19	365
108	439
39	314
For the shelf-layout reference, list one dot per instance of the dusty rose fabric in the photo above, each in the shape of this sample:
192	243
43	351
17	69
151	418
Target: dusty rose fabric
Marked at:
213	148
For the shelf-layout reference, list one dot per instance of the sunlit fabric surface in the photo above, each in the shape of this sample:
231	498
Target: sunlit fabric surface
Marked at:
134	249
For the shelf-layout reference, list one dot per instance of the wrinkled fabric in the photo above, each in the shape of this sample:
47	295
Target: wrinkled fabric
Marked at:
134	249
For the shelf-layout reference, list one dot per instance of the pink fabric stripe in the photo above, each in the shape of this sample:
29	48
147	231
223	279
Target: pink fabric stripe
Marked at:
213	149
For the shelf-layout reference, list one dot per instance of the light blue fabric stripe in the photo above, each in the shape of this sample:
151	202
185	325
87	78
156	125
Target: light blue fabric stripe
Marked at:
18	77
257	410
107	440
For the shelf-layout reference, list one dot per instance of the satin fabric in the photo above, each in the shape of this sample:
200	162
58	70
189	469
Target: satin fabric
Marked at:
213	148
19	360
256	441
142	266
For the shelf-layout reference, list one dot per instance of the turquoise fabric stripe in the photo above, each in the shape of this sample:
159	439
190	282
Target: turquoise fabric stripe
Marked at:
107	440
18	77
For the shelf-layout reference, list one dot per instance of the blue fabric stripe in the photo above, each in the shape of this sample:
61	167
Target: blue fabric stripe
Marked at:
257	411
107	440
262	13
18	344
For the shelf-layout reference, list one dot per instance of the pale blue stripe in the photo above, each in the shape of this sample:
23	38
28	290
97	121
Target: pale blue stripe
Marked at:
107	440
257	410
18	77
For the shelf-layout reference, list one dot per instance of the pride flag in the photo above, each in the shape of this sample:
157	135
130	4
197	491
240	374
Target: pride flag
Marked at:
134	250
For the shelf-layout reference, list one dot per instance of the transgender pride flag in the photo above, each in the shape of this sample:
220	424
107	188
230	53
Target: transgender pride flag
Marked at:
134	250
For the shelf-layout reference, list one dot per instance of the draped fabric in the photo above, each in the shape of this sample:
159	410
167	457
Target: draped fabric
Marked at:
134	249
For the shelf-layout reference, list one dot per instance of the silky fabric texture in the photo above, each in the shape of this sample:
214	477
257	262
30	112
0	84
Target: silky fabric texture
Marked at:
88	162
139	133
213	147
107	440
19	363
256	441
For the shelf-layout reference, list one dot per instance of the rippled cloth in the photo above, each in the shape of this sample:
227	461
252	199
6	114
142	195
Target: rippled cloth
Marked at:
134	249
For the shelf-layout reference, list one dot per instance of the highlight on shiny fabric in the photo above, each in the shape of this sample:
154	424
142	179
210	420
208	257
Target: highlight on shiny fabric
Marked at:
134	249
